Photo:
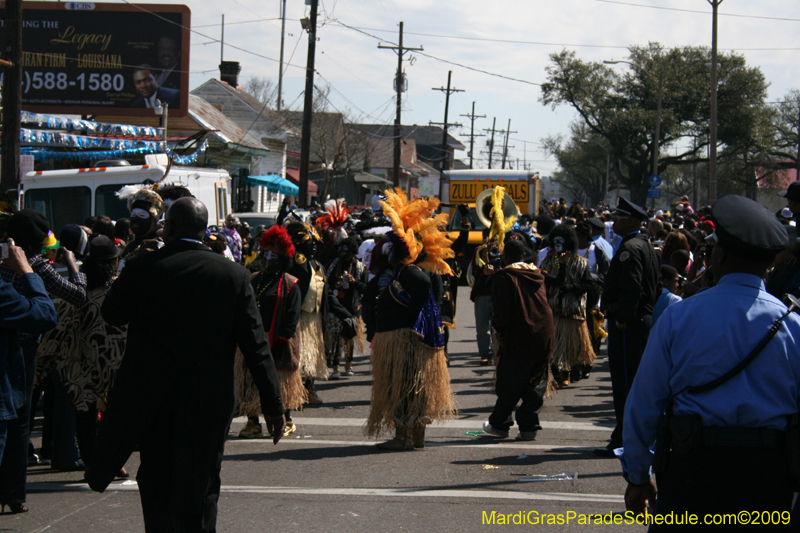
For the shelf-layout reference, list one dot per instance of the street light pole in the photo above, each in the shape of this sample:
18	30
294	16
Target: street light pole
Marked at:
658	131
608	166
712	156
660	82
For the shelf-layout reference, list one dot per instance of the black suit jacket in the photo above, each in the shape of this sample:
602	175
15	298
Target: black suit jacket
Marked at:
187	309
168	96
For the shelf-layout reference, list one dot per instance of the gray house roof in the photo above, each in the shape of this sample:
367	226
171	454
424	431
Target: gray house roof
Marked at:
247	111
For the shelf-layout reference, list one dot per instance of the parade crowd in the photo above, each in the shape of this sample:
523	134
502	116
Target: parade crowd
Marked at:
702	351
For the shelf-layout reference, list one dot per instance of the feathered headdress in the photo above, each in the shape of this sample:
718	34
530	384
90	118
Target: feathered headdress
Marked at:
335	216
415	229
301	232
500	225
144	198
278	240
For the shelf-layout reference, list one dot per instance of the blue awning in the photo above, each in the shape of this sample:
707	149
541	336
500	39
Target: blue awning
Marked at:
275	183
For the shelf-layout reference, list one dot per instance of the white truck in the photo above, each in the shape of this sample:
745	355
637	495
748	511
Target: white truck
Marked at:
70	196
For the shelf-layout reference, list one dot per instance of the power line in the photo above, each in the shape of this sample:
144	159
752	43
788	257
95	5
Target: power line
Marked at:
213	39
785	19
441	59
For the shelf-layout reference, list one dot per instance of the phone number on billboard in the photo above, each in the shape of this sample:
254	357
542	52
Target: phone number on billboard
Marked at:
61	81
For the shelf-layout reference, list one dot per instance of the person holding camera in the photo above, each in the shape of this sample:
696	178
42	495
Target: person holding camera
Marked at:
29	310
719	396
29	229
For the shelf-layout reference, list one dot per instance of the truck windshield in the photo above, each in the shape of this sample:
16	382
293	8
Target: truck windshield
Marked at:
106	202
61	205
455	223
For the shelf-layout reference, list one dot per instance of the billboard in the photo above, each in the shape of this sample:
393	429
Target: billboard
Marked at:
90	58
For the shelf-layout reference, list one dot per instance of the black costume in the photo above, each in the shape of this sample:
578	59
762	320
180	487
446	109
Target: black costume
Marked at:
174	395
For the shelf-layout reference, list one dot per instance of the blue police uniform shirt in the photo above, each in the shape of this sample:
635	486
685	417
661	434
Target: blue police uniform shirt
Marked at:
697	341
665	300
604	245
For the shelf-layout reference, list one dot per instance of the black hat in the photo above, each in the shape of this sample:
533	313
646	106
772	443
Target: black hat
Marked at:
596	223
102	248
793	192
27	227
628	209
583	228
74	239
748	229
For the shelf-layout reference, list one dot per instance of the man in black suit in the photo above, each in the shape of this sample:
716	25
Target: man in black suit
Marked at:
149	92
187	309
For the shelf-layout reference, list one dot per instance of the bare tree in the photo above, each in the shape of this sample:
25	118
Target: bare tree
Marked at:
337	150
262	88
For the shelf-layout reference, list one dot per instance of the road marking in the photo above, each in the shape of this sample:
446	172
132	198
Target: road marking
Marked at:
472	424
366	492
477	443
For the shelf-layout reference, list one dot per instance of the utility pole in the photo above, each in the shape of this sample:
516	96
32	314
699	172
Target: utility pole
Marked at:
399	87
508	133
222	40
491	141
445	149
280	69
472	133
305	145
712	157
12	97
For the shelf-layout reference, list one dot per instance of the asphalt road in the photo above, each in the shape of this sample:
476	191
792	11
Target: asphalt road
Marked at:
328	477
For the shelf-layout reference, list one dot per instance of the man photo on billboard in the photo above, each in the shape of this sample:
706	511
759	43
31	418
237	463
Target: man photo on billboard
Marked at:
169	57
149	92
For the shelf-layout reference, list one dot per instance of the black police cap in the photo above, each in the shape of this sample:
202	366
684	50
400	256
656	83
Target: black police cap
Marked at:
748	229
596	223
626	208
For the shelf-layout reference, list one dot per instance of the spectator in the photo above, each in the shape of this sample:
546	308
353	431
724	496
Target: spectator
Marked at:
669	291
31	313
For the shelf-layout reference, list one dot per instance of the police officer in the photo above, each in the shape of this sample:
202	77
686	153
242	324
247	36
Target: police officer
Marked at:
734	455
629	294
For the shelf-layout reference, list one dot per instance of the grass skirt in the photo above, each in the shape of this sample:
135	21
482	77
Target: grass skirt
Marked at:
248	401
410	382
312	346
573	344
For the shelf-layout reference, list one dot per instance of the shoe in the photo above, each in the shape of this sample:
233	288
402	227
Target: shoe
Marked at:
46	462
13	508
313	399
485	362
335	375
487	428
418	435
605	453
33	460
251	430
527	435
77	466
348	373
290	428
402	441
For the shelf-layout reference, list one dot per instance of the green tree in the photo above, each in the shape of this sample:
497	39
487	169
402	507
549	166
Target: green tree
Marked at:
621	106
